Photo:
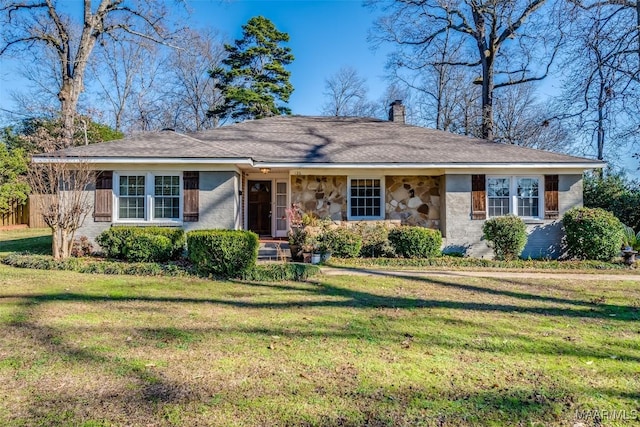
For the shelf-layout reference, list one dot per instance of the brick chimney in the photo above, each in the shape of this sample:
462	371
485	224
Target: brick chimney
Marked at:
396	111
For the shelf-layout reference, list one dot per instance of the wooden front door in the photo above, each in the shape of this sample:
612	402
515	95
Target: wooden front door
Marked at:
259	207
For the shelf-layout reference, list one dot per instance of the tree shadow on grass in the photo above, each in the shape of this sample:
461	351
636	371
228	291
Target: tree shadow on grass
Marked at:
339	297
590	309
145	391
482	289
151	389
36	245
350	298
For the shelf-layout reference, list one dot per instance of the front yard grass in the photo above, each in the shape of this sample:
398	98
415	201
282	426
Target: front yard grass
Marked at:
34	240
95	350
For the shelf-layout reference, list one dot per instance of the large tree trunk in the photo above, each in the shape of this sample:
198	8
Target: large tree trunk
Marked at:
487	103
487	91
68	104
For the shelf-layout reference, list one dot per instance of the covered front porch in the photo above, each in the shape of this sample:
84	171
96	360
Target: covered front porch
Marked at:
342	195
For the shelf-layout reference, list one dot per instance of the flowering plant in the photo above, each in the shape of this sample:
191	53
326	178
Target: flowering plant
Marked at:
294	215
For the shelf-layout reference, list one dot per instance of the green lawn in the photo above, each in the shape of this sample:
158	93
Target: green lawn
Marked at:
34	240
93	350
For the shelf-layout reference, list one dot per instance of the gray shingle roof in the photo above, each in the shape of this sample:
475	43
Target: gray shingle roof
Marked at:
302	139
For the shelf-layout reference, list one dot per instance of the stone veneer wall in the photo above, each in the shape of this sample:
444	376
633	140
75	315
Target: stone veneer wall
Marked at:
414	200
324	196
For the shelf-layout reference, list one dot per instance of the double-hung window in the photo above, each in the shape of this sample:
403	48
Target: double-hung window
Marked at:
365	198
517	195
166	201
527	197
131	199
498	196
148	196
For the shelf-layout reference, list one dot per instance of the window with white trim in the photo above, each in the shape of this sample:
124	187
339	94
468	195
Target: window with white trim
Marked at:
517	195
148	196
528	197
498	196
131	199
166	203
365	198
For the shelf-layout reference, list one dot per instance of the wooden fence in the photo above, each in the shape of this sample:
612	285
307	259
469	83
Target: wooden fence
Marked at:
29	214
18	215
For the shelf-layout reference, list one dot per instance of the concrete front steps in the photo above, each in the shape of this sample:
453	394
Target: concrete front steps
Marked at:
273	250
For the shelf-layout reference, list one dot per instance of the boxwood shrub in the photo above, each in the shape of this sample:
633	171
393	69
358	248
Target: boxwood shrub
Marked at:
148	248
416	242
342	242
115	240
94	266
593	233
227	253
281	271
507	236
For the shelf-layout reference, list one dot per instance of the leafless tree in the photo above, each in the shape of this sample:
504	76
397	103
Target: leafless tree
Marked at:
499	38
629	35
43	25
61	193
191	91
149	110
347	94
116	69
60	190
440	88
601	91
149	87
522	119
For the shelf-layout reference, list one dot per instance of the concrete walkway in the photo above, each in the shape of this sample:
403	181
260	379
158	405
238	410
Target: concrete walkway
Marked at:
333	271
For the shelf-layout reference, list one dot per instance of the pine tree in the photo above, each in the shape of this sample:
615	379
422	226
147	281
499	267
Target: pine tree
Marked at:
253	78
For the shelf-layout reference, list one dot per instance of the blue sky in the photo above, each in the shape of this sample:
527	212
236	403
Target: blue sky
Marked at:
324	35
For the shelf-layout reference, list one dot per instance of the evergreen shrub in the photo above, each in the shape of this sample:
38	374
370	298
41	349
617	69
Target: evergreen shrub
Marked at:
227	253
114	241
416	242
593	233
507	236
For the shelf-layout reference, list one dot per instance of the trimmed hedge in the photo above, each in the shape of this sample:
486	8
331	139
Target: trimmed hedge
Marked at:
117	242
508	236
464	263
342	242
227	253
593	234
148	248
93	266
282	271
416	242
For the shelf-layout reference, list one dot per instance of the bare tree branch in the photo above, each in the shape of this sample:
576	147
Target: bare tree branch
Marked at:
32	25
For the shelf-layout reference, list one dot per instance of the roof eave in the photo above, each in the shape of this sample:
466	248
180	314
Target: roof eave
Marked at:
143	160
538	165
312	165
